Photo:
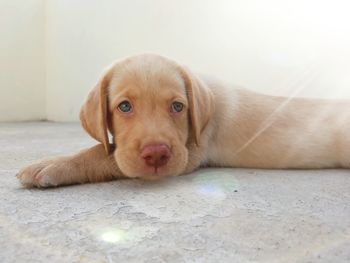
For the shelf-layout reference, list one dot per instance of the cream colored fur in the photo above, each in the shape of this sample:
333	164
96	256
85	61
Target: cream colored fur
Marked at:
221	126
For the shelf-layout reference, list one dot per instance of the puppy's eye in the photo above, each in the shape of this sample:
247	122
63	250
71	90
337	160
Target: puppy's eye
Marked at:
125	106
177	106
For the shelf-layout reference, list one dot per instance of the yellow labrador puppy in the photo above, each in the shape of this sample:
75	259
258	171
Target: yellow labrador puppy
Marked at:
165	120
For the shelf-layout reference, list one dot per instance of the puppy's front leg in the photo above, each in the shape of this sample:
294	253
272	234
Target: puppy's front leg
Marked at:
91	165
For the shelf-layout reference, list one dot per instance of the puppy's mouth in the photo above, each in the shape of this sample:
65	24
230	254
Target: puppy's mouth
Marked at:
155	173
155	159
153	162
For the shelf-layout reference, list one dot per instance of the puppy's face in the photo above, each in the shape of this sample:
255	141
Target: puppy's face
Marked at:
149	116
153	108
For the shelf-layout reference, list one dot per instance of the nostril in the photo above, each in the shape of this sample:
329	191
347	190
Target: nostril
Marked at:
148	157
164	157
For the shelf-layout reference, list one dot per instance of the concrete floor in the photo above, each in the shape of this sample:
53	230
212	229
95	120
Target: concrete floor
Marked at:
213	215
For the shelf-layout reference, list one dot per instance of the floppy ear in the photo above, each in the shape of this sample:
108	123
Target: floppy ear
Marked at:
94	112
201	103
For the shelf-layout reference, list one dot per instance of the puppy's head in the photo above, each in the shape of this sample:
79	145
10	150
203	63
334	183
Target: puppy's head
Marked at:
154	110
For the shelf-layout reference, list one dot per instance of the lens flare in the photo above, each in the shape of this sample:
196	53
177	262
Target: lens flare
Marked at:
113	235
215	183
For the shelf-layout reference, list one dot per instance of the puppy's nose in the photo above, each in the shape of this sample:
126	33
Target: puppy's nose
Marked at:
156	155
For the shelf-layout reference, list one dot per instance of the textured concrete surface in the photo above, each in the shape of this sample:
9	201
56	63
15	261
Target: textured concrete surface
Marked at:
213	215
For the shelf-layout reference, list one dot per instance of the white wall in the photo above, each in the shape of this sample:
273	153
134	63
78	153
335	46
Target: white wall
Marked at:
273	46
22	71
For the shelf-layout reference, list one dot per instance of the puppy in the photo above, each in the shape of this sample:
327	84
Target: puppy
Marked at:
165	121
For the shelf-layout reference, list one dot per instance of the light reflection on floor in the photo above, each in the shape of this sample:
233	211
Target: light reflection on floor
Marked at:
125	233
214	183
210	183
114	235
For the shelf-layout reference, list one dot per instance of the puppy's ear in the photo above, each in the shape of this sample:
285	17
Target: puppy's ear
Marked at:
201	103
94	112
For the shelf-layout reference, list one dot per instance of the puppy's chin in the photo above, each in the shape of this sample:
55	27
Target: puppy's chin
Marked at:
153	177
134	167
151	174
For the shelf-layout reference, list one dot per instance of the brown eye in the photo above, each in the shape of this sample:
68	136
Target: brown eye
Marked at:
125	106
177	106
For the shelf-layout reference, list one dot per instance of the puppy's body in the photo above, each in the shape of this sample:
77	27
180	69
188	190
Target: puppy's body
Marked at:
261	131
218	126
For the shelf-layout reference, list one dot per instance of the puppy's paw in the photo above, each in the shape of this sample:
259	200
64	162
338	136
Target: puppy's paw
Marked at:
44	173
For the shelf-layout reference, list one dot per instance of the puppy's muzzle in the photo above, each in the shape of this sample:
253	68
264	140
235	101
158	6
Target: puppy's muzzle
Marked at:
156	155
